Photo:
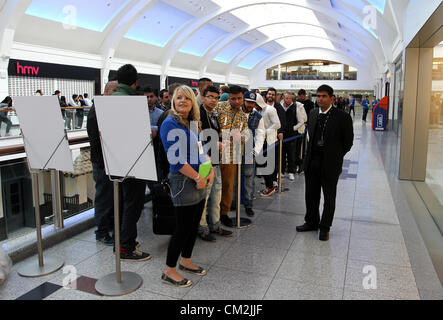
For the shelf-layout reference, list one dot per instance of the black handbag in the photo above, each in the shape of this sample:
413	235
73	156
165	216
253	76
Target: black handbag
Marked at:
163	217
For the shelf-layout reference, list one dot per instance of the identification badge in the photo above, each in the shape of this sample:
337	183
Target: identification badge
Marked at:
200	147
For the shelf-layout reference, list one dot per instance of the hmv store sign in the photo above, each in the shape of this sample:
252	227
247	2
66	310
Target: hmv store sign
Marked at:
23	68
27	70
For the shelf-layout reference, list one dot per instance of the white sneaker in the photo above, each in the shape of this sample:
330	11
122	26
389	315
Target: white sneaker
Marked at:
291	177
275	184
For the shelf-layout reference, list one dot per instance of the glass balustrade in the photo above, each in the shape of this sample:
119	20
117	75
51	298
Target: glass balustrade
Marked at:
74	120
17	219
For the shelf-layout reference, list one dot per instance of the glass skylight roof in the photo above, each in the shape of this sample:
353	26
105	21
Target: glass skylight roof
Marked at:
253	58
379	4
158	25
265	28
201	41
93	15
230	51
355	10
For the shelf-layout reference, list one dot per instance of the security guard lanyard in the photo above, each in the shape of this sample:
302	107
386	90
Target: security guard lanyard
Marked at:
321	143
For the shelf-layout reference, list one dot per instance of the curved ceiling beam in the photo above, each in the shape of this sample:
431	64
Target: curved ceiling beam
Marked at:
394	13
120	25
10	16
220	45
116	30
181	37
248	50
389	33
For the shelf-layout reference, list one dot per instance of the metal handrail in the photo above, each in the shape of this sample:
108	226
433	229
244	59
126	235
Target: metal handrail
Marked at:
62	108
15	149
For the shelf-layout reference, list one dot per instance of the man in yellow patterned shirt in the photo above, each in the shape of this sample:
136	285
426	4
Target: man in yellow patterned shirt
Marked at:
233	123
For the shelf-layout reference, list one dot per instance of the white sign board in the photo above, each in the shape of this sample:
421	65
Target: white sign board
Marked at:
125	129
43	129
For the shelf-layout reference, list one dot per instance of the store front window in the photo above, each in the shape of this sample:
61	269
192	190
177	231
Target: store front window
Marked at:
434	174
398	97
431	189
312	70
272	73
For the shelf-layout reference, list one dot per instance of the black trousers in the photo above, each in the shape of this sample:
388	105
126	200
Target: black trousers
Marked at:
79	116
298	151
104	202
365	114
352	109
186	229
133	192
269	179
289	156
315	182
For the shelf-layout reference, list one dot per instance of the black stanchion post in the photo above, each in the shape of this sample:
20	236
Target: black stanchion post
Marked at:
279	166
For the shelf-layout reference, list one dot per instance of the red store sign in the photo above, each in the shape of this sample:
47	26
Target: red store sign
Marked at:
27	70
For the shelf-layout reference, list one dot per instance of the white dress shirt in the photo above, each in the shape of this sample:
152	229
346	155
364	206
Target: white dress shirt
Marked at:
321	112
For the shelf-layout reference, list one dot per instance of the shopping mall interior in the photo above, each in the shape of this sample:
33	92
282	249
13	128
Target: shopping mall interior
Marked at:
386	239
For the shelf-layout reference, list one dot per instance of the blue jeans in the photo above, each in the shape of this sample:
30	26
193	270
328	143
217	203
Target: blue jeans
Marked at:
79	117
212	205
4	118
247	186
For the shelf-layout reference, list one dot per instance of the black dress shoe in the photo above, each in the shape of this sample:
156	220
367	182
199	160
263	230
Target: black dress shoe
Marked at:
306	227
206	236
107	240
226	221
324	236
250	212
222	232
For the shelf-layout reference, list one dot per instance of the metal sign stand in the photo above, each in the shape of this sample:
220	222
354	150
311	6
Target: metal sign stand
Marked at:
241	222
33	270
56	200
119	283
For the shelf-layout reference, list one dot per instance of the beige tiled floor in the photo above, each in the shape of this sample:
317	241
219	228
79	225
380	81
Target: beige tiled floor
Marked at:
270	260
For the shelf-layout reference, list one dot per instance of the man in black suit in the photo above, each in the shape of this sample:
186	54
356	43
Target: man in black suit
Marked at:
331	136
270	100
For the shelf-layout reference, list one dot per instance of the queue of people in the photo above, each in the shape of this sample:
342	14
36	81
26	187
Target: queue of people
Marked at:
219	135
